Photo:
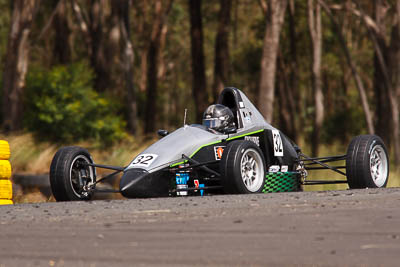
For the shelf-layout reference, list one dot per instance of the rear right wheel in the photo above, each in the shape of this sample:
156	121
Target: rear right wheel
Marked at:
242	168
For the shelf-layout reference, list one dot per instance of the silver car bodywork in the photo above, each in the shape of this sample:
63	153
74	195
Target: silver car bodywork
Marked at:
142	176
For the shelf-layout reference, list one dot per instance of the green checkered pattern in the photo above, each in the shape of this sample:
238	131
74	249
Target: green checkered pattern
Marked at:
281	182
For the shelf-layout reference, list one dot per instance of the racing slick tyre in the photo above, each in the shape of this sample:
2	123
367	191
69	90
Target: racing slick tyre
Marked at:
367	162
242	168
70	176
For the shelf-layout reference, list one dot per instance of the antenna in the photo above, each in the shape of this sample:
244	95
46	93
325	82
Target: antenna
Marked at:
184	118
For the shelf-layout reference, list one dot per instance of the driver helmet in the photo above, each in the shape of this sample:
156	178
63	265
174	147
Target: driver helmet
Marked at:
218	117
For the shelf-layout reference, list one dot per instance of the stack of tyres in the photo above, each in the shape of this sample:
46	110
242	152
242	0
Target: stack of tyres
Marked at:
5	174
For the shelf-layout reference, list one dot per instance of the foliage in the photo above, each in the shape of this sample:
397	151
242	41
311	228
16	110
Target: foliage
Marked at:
62	106
63	100
344	124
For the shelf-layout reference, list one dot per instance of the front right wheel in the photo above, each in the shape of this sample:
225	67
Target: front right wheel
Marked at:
367	162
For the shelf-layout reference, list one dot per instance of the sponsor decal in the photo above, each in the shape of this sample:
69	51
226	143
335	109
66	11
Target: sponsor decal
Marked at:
143	160
218	151
274	168
196	184
284	168
278	147
182	178
201	191
241	104
246	116
182	186
254	139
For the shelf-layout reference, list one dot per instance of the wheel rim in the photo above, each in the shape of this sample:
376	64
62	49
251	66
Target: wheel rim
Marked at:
378	165
81	176
252	170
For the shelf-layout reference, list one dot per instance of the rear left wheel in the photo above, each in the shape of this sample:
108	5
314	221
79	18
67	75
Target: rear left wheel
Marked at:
367	162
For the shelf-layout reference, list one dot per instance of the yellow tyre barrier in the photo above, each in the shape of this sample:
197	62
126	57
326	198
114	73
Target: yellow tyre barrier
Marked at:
6	202
4	150
5	189
5	174
5	169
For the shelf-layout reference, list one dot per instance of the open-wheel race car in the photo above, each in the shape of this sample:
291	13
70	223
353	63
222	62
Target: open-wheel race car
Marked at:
233	151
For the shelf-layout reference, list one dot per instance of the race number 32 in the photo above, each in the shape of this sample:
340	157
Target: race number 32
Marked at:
144	160
278	147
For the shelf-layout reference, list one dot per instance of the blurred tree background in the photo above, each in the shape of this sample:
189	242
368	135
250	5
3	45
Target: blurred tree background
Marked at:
319	70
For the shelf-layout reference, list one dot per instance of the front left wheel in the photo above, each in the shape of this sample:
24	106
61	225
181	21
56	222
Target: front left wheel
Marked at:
71	178
242	168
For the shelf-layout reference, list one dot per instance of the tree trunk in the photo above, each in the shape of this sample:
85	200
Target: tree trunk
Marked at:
396	43
383	125
162	70
297	122
152	61
99	38
286	100
314	22
394	66
16	62
62	50
142	32
221	67
82	24
198	68
396	51
356	76
274	20
385	66
127	64
98	60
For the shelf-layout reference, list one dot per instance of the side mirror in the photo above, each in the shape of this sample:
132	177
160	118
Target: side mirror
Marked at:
162	133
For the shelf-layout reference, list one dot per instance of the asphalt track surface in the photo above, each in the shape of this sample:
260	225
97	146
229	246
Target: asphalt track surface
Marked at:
336	228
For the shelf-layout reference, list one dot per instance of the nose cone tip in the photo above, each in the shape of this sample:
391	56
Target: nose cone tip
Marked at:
124	188
127	184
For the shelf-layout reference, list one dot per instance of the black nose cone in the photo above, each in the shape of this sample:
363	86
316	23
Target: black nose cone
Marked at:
130	180
138	183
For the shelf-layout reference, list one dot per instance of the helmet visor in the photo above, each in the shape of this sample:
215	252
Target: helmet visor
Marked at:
212	123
